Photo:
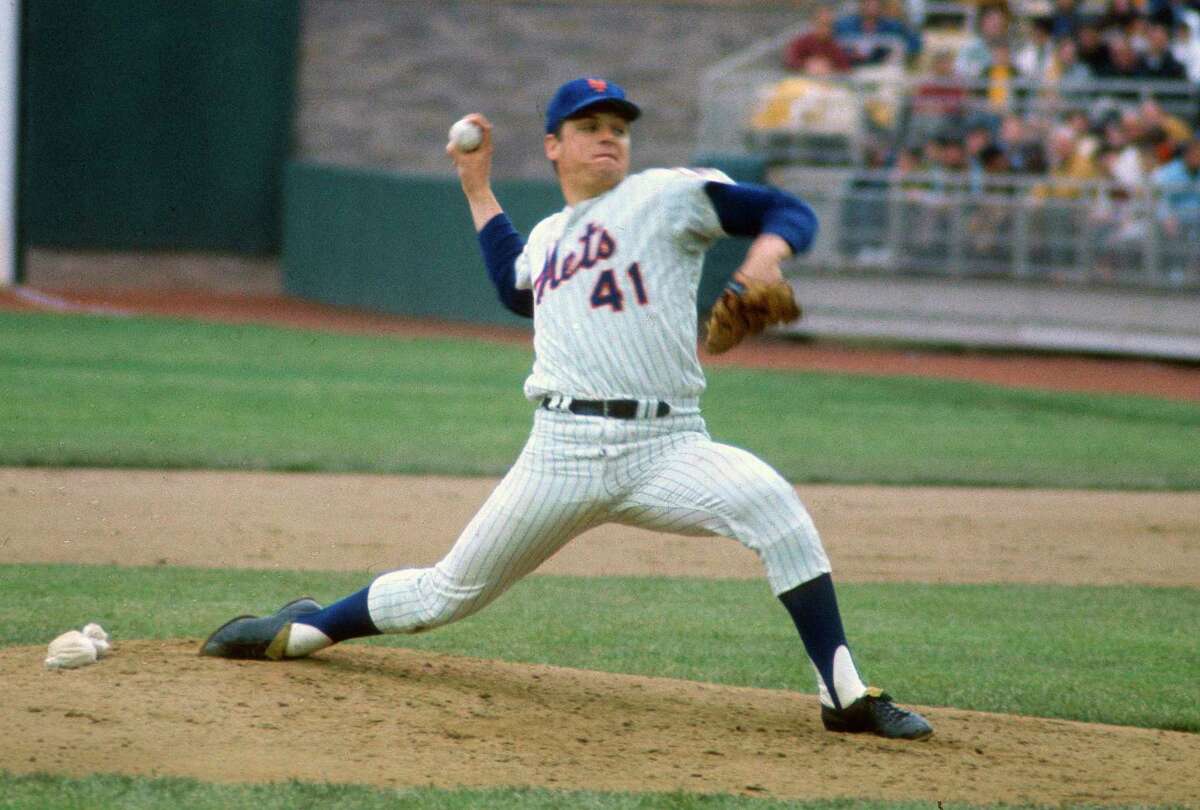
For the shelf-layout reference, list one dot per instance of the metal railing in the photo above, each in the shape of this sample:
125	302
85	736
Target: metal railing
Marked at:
1004	227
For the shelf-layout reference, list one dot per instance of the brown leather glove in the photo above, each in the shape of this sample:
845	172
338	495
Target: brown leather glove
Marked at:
747	308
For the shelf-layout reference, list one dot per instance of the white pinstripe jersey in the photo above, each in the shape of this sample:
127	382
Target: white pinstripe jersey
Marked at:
614	283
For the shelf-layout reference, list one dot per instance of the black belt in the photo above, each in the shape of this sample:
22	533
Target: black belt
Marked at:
612	408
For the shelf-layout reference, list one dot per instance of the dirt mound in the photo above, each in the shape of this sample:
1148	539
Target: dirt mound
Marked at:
395	717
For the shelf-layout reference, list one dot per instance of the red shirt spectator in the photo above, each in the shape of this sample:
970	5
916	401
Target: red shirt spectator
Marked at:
817	46
943	93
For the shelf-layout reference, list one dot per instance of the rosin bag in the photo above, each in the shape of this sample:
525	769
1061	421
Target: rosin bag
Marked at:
74	649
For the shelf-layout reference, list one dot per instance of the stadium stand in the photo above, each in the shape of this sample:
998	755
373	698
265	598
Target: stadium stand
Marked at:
1040	139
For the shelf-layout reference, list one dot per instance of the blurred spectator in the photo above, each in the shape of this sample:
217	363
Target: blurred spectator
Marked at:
977	140
976	55
1134	163
1120	16
817	51
1035	56
1113	133
1185	46
978	135
1132	125
1081	125
1179	183
1158	62
1120	221
909	161
1178	132
1072	165
1065	82
809	105
990	219
949	155
1125	66
1168	12
1064	19
869	34
935	198
994	160
914	11
1093	50
1065	69
938	99
1018	139
1137	33
1000	75
1003	6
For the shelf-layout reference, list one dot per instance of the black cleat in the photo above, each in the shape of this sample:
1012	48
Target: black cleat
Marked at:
254	637
876	713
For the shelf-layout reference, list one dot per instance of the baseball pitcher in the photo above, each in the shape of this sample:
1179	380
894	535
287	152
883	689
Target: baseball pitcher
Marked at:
610	282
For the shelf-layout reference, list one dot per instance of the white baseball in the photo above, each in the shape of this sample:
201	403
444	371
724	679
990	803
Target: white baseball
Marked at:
466	135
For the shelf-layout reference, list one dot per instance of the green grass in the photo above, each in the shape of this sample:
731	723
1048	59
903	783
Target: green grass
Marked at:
131	793
1101	654
141	392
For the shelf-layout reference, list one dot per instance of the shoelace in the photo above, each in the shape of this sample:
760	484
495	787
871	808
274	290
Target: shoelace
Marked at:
884	705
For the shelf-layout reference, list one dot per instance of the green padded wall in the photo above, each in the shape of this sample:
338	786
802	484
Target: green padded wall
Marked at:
406	245
399	244
156	125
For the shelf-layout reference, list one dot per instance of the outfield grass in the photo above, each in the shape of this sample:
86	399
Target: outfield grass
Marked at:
1101	654
129	793
142	392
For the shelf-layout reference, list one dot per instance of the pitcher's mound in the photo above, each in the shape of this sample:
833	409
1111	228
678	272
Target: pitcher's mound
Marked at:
397	717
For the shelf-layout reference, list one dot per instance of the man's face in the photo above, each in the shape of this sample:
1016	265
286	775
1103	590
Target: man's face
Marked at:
823	21
954	156
591	151
976	140
1066	52
1122	54
993	25
1159	38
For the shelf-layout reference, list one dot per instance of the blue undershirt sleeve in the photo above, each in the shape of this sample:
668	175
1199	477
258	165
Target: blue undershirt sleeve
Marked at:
501	245
746	209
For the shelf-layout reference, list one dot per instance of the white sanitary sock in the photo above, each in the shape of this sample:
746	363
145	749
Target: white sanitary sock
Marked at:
304	639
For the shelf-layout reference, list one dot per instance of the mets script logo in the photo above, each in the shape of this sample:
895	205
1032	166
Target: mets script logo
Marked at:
595	245
599	85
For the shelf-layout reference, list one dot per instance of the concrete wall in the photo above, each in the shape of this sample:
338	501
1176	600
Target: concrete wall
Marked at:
997	314
382	80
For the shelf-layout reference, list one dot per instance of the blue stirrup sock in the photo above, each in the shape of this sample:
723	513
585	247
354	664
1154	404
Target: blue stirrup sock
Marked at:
344	619
814	610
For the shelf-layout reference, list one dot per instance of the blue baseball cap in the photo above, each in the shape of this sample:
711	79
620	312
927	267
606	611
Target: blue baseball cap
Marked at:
579	94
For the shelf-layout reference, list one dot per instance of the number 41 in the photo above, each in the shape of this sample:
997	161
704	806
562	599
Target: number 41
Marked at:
607	293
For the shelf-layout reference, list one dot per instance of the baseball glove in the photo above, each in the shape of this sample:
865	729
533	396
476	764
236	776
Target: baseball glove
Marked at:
746	308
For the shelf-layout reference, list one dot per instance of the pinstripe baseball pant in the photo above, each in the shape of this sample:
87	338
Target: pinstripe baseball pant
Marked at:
577	472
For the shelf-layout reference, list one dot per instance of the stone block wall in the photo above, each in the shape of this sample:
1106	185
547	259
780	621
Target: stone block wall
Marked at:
380	81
